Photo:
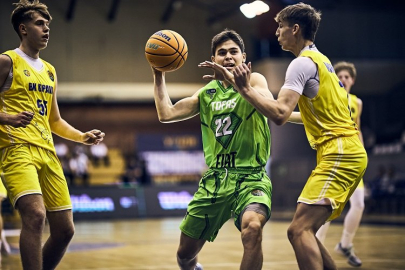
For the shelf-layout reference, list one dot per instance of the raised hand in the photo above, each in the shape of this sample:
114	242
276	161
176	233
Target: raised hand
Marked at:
94	136
220	73
242	76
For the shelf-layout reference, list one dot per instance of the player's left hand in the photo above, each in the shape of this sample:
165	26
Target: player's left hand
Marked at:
220	72
92	137
241	75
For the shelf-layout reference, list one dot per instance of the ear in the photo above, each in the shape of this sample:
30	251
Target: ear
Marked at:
23	29
244	57
295	28
212	58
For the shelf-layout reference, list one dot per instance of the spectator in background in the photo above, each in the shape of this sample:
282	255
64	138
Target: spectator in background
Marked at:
99	152
79	166
62	151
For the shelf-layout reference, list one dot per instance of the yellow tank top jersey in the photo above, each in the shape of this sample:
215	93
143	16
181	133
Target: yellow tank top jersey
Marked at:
327	115
31	90
354	107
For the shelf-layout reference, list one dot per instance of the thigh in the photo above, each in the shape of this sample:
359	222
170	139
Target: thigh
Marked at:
210	207
341	165
53	183
19	172
254	188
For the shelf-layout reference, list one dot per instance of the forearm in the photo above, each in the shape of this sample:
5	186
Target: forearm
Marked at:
162	100
266	105
65	130
295	118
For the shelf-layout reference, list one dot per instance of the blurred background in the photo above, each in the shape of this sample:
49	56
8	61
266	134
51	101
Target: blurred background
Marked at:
149	169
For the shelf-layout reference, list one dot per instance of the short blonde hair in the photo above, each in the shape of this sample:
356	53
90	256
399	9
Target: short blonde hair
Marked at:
349	67
304	15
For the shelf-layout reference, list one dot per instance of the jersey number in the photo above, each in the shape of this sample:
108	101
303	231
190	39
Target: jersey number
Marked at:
223	126
42	106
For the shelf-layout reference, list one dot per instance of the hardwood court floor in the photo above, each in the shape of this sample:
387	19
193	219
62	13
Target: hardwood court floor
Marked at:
151	244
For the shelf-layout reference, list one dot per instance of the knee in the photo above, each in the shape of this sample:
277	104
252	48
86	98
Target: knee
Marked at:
35	220
184	255
64	234
252	233
294	232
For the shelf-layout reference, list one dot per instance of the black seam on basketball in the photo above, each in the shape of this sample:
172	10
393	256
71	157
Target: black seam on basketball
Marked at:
158	54
178	43
171	62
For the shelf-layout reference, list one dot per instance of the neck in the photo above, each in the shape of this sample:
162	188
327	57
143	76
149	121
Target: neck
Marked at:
33	53
301	44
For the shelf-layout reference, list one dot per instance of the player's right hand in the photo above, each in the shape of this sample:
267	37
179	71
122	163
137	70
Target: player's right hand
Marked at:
23	119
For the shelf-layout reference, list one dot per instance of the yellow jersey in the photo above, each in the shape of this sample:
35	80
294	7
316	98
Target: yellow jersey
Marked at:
354	107
327	115
31	90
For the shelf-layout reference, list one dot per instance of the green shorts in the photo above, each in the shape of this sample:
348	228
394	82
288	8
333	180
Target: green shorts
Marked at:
222	193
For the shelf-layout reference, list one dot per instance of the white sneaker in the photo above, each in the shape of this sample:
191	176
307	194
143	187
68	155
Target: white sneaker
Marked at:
348	252
198	266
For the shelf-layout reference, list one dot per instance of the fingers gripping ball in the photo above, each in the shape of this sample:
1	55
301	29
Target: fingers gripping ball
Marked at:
166	50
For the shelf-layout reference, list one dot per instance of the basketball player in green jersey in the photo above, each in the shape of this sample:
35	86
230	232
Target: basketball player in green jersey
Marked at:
29	115
236	141
346	73
311	83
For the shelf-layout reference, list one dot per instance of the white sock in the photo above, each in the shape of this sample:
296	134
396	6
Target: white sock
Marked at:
321	233
353	218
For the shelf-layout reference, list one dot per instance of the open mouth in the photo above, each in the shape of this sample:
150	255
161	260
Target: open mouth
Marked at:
229	66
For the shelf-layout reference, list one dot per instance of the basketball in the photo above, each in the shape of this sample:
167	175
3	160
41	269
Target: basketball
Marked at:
166	50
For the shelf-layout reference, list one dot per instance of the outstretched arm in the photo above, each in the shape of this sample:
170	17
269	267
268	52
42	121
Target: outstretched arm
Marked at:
63	129
278	110
166	110
295	118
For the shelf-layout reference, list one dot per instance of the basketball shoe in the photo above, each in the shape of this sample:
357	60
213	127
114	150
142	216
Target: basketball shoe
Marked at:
198	266
348	252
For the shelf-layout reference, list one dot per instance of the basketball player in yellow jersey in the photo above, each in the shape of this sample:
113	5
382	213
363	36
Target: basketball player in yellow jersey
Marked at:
341	158
346	73
29	114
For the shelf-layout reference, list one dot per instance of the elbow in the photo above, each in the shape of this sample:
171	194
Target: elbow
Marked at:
164	119
280	121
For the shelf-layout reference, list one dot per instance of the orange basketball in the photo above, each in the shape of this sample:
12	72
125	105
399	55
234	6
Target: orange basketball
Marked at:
166	50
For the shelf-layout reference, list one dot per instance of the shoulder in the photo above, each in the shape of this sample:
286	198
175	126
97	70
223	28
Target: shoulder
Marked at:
5	63
359	103
302	66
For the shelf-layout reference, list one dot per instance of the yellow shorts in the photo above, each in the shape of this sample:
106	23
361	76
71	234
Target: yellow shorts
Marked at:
3	191
341	163
28	169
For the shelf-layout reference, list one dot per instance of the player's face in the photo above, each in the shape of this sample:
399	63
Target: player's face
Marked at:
36	32
346	79
229	55
285	36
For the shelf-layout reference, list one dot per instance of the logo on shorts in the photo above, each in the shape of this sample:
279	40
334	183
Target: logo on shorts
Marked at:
27	73
257	192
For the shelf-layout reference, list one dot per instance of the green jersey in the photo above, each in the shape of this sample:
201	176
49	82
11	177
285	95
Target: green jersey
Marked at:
234	134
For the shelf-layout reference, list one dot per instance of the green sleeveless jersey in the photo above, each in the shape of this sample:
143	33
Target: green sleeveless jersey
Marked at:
234	134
